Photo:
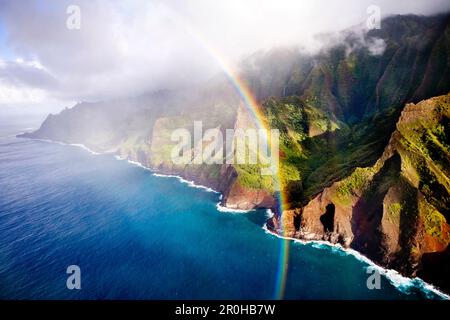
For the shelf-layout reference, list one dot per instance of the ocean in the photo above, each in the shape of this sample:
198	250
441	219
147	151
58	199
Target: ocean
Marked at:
137	235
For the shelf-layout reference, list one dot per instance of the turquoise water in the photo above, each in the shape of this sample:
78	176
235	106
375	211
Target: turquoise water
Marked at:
138	236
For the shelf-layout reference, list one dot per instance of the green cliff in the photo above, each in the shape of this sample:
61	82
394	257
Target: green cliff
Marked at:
357	167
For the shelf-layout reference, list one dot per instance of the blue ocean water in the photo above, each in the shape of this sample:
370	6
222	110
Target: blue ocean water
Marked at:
138	236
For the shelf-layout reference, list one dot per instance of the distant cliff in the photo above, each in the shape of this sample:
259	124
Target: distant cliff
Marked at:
140	130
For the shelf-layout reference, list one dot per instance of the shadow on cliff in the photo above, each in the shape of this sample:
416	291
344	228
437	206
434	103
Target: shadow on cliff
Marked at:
402	259
368	211
435	268
342	150
327	218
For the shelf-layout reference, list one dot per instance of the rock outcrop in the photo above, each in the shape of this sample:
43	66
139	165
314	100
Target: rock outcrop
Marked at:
397	211
143	135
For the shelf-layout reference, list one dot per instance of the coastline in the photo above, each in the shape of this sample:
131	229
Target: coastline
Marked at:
78	145
399	281
154	172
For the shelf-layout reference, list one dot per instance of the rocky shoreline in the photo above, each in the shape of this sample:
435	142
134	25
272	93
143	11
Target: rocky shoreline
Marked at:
384	211
285	225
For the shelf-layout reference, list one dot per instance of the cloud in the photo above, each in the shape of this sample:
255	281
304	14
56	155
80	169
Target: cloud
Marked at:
128	48
25	83
26	73
376	46
118	50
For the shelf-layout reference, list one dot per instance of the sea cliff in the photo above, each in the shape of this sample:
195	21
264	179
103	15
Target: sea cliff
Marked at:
364	143
396	211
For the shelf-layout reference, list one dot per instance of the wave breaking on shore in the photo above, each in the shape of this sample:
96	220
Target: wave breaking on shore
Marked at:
222	208
404	284
78	145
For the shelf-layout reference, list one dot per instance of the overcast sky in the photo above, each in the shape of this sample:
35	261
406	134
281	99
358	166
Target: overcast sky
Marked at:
130	47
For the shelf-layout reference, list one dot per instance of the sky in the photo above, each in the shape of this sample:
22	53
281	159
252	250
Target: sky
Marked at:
126	48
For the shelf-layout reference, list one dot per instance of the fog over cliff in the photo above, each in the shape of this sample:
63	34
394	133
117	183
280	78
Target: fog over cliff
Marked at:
137	46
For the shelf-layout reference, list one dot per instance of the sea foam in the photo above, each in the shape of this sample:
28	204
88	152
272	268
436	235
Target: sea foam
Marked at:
188	182
404	284
230	210
78	145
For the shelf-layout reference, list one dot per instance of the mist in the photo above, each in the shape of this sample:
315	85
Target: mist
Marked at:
138	46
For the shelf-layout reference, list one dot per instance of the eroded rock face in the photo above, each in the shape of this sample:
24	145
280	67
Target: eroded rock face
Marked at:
239	197
286	224
147	140
389	211
314	225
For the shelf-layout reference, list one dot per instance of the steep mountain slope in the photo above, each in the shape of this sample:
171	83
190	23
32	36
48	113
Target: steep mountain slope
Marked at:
346	98
356	166
359	72
397	210
318	149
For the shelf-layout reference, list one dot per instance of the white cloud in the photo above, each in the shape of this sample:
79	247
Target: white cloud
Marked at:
376	46
129	47
14	95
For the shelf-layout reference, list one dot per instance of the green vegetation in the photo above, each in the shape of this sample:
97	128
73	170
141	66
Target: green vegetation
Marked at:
317	150
354	185
393	211
335	111
434	222
249	176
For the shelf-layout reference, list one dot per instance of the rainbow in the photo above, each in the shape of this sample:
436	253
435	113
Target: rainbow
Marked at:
253	107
